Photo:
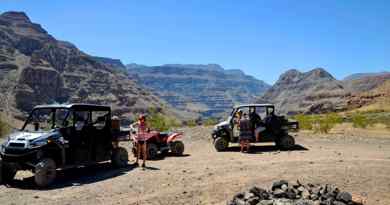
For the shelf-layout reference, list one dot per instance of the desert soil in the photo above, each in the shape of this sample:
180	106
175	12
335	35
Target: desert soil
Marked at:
358	162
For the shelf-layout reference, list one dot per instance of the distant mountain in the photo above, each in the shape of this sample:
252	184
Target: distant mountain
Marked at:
364	82
207	89
315	91
363	75
35	68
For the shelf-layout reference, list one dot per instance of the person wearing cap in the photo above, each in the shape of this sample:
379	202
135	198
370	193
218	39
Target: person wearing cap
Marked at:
141	139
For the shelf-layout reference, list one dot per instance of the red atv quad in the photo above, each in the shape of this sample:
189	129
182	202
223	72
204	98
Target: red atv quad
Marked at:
159	143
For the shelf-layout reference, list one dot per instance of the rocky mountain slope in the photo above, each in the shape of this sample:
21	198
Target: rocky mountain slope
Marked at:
35	68
315	91
365	82
206	89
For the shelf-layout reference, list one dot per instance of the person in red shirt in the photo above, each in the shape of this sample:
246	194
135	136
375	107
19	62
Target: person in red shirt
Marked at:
141	139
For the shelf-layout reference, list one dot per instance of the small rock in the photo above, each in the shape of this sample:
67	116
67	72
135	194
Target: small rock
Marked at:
301	188
239	202
344	196
253	201
278	193
284	202
303	202
239	196
338	203
248	195
284	187
266	202
313	197
278	184
305	194
36	197
259	192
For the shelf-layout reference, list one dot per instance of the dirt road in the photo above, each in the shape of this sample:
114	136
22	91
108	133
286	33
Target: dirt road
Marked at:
356	163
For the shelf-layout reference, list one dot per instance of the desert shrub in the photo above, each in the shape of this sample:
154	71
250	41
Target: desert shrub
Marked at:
4	128
159	121
318	123
359	120
305	121
191	123
210	122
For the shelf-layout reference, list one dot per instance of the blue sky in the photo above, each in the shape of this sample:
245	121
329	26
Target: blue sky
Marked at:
263	38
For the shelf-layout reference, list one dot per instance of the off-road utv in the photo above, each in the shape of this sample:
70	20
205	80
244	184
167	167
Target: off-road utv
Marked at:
276	127
62	136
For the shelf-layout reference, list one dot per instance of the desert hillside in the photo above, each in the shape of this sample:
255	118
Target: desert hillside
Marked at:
36	68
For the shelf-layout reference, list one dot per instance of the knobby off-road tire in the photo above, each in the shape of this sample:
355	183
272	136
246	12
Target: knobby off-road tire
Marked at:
45	172
7	173
152	151
220	144
119	157
177	147
287	142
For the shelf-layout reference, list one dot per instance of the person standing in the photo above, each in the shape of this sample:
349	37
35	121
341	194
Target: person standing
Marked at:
245	133
141	140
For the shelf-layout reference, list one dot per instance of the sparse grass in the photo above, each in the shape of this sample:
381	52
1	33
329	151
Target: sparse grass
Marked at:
159	121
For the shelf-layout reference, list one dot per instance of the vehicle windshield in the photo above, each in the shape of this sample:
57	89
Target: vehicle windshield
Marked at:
45	119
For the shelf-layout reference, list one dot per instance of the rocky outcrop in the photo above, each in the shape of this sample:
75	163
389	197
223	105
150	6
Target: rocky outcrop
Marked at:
35	68
315	91
207	89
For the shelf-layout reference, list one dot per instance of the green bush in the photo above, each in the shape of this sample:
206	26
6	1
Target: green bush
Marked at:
359	120
318	123
160	122
191	123
4	128
305	121
210	122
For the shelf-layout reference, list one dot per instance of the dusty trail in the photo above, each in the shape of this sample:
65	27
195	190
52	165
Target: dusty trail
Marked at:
359	164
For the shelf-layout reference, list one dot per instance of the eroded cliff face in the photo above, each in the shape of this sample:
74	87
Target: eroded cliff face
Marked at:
35	68
207	89
315	91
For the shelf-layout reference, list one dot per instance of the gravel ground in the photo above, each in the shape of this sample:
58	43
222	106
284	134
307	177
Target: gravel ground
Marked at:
355	162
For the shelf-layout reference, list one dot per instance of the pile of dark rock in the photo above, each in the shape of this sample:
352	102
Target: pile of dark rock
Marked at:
284	193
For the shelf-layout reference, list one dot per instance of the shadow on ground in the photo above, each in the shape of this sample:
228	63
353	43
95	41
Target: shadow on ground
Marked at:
77	176
163	156
257	149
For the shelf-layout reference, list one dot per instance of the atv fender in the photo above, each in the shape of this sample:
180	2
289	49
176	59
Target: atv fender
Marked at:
174	137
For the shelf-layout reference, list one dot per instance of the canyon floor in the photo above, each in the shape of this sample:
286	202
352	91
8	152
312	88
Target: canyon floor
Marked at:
356	161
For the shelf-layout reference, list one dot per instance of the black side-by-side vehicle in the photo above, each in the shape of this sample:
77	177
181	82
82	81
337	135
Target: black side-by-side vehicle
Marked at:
62	136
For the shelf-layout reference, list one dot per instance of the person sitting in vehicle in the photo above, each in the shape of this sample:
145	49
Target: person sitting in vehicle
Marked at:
245	133
141	138
257	124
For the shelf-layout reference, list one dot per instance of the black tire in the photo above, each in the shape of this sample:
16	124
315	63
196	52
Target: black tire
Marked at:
45	172
7	173
220	144
119	157
152	151
286	142
177	147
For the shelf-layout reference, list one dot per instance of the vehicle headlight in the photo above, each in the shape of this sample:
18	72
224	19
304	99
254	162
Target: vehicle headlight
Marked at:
37	143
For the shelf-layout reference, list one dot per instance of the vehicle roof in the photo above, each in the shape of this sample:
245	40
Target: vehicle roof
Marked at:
74	106
254	105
